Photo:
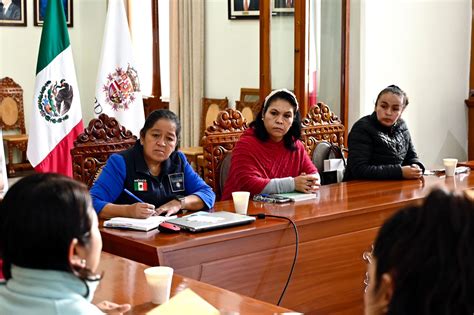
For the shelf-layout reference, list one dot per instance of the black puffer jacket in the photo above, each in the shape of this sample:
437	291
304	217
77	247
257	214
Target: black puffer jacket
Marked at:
379	152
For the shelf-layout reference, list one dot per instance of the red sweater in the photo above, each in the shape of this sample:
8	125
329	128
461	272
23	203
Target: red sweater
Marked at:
254	163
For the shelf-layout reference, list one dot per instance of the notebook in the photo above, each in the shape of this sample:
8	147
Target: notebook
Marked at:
204	221
137	224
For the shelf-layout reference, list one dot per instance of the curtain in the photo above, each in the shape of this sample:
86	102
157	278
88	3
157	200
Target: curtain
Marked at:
187	66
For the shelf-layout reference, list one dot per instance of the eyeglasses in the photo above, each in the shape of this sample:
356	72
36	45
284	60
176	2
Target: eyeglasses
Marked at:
368	257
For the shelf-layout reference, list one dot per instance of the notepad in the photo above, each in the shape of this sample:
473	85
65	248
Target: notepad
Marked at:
297	196
137	224
185	302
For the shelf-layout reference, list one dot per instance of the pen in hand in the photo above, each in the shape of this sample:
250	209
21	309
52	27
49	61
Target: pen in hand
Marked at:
128	192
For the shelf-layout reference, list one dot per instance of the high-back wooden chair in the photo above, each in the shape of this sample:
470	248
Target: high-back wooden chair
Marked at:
12	119
92	148
321	125
249	110
218	140
210	108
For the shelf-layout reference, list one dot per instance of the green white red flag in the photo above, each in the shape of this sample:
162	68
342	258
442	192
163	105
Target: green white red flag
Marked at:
56	117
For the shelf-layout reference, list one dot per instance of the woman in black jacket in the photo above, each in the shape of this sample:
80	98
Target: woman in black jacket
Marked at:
380	145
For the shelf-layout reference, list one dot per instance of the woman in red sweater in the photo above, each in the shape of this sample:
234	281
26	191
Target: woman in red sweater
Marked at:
269	156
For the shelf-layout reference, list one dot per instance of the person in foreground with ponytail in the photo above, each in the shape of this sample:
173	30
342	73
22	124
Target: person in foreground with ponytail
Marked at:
50	245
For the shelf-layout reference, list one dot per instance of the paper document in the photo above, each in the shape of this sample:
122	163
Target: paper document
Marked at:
137	224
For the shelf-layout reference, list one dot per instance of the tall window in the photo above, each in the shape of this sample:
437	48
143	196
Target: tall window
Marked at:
149	28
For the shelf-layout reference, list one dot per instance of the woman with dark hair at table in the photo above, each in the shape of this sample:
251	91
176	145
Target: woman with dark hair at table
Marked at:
151	178
269	156
50	245
423	260
380	145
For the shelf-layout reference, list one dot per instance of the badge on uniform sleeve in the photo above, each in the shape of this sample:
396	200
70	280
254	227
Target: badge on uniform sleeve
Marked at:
140	185
176	182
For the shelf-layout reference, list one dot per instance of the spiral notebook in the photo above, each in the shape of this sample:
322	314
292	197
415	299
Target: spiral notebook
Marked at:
137	224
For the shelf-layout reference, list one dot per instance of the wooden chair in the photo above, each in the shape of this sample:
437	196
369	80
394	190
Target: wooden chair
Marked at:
250	110
320	124
218	140
210	109
92	148
12	118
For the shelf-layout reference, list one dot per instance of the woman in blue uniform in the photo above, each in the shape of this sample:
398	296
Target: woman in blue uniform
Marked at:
152	177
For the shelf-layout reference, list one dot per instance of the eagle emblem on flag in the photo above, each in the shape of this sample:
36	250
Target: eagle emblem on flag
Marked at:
120	88
54	100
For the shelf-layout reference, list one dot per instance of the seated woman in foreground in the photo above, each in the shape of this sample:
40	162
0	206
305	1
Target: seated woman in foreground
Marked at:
423	260
269	156
50	245
152	177
380	145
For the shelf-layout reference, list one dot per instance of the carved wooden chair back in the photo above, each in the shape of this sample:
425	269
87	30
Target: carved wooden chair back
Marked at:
218	140
11	106
248	109
321	124
92	148
12	119
210	108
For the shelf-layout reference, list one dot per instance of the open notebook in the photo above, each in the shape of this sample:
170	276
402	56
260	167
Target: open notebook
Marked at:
137	224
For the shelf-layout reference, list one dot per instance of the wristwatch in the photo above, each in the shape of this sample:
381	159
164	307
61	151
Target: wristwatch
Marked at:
181	200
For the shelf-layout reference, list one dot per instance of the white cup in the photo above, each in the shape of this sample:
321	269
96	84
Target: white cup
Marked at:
450	166
241	201
159	282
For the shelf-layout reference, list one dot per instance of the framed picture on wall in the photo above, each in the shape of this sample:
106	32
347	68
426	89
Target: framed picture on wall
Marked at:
40	11
283	7
243	9
13	13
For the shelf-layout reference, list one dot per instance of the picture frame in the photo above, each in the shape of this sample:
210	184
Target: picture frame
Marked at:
39	10
237	9
249	95
15	13
283	7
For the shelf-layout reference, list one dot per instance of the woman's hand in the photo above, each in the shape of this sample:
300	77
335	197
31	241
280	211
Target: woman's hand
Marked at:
113	308
170	208
140	210
412	171
307	183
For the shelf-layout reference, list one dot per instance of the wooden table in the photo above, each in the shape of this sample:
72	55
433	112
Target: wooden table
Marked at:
255	259
124	282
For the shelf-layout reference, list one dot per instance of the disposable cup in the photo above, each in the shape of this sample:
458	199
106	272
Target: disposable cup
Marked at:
241	201
450	166
159	282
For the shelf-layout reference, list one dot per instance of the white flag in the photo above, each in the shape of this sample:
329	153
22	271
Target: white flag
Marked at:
118	88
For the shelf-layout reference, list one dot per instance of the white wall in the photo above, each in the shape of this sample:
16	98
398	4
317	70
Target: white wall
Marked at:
423	46
19	52
232	53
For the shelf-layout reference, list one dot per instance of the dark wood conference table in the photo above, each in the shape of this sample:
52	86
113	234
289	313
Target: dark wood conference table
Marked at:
124	282
254	260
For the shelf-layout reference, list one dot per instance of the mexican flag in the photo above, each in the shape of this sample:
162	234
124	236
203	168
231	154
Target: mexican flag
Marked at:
117	87
56	117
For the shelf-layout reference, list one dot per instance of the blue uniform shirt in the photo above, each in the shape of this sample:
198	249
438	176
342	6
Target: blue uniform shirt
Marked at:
129	170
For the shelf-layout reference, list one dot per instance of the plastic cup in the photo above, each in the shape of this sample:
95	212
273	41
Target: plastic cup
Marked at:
450	166
159	281
241	201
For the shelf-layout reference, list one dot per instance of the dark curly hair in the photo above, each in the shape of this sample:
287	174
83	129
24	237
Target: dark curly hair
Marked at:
428	250
293	134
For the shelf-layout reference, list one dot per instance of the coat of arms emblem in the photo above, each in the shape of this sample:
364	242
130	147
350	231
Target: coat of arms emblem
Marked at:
55	100
120	88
